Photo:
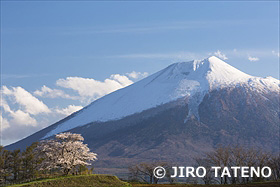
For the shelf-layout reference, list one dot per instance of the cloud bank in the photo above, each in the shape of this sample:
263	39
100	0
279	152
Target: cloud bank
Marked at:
90	89
23	113
27	101
52	93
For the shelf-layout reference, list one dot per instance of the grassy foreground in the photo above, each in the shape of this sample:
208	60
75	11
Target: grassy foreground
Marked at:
95	180
99	180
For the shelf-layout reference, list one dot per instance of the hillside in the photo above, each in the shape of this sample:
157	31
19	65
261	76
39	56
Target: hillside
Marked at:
78	181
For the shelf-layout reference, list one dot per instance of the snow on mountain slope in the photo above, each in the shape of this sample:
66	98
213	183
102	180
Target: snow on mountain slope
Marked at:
186	79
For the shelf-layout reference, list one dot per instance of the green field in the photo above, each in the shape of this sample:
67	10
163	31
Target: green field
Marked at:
78	181
99	180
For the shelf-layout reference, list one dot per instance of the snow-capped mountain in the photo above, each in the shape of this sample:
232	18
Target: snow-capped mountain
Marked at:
175	114
187	79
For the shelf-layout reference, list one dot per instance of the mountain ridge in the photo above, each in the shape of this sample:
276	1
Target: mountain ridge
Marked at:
184	79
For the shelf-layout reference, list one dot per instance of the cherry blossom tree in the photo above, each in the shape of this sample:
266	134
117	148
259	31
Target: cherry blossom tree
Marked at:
67	151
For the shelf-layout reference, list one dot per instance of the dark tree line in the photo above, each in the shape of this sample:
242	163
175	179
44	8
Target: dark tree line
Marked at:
18	166
226	156
143	172
67	154
230	156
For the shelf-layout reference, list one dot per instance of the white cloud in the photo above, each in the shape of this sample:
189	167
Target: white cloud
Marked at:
26	100
4	123
91	89
68	110
22	111
253	59
121	79
22	118
5	105
17	117
137	75
276	53
220	55
29	103
52	93
19	111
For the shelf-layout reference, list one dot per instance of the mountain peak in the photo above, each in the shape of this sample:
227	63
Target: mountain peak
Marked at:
214	59
221	73
189	80
211	72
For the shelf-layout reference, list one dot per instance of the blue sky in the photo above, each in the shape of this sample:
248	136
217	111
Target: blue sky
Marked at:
66	44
